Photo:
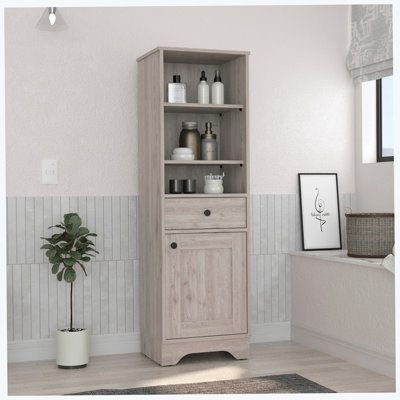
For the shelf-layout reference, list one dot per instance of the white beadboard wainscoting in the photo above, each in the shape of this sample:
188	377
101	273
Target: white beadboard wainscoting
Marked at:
106	302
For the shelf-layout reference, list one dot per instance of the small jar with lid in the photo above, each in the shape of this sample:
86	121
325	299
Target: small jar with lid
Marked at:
213	184
190	137
209	145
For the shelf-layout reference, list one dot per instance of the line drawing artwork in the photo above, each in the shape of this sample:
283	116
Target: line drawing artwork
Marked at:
319	205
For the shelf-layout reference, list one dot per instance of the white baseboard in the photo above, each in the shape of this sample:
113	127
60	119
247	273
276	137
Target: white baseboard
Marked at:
45	349
270	332
381	363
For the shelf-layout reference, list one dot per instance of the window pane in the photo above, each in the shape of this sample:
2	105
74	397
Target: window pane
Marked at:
387	117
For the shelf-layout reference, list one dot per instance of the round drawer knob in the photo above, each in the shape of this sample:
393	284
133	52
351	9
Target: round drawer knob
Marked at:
174	245
207	213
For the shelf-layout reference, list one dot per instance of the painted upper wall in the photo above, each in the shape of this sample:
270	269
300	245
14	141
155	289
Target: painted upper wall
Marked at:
71	95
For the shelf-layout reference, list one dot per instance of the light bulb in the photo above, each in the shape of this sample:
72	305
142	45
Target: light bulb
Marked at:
52	15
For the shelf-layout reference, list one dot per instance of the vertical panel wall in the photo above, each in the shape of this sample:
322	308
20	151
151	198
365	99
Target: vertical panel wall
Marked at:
108	301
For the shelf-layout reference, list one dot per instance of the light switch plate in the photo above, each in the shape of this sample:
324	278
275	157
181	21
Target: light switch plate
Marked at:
50	172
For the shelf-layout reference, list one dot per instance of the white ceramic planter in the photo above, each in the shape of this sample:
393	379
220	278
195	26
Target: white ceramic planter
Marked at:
72	349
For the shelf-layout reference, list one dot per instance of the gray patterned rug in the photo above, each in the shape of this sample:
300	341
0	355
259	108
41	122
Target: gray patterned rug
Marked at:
288	383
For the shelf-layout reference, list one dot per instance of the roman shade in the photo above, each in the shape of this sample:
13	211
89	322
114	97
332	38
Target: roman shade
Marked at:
371	50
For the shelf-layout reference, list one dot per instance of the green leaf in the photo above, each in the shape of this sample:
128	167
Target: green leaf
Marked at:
76	255
91	249
83	231
72	223
91	234
82	266
90	255
57	226
58	237
69	275
54	268
67	218
51	253
60	275
69	262
55	260
85	258
47	246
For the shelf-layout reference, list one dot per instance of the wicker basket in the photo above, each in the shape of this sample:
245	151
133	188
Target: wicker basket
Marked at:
370	234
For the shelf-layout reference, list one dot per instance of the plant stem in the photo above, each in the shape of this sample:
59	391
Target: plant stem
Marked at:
70	304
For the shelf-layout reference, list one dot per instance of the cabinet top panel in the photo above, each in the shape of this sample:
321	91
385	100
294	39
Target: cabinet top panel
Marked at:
196	56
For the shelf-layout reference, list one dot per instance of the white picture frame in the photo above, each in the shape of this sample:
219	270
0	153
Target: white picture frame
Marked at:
319	211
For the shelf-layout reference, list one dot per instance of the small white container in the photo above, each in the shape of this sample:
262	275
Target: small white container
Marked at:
203	90
183	154
217	90
176	90
182	157
182	150
213	184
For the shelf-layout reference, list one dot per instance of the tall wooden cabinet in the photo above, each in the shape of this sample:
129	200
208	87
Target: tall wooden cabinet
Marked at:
194	248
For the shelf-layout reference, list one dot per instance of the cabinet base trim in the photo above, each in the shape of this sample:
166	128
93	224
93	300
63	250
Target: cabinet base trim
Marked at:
172	353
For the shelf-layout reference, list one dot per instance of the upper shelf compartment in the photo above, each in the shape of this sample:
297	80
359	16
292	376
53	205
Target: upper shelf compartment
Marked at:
201	108
189	64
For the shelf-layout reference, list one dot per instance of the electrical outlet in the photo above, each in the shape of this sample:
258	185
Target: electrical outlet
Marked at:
50	172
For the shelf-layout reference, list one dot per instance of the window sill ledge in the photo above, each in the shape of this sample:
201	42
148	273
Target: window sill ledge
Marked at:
340	256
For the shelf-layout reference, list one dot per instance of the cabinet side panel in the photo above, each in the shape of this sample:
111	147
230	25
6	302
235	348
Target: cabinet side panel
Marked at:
151	184
233	125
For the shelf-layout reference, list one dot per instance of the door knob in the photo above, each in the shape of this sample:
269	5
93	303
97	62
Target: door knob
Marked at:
207	213
174	245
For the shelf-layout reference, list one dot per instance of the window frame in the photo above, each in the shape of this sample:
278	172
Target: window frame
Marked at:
379	139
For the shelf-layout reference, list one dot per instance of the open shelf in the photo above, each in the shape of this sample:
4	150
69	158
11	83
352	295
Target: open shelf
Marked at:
229	120
204	162
200	108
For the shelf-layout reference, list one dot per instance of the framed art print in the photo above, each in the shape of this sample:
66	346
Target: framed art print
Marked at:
319	210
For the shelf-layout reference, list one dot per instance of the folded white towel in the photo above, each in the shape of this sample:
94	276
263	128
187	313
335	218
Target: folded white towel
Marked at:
388	263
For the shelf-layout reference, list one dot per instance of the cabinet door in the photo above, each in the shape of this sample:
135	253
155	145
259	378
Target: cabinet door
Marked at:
206	285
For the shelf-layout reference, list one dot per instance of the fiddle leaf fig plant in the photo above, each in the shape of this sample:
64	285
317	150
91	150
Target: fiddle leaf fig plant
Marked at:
68	249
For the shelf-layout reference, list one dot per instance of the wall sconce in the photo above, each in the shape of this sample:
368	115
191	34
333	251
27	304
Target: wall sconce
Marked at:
51	20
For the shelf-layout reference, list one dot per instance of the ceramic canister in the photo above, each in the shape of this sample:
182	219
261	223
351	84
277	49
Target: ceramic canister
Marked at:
213	184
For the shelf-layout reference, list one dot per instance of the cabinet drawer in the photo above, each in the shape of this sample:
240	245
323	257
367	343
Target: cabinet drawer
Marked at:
205	213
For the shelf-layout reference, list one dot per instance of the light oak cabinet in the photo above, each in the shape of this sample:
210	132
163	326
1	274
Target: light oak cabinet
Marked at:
205	285
194	249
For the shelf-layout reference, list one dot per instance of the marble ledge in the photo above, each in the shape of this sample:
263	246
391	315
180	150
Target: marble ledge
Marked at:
339	256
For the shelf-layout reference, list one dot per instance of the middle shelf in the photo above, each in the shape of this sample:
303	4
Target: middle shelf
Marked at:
201	108
204	162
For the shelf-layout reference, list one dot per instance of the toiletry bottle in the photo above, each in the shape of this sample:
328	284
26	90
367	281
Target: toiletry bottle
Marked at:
190	137
203	90
217	89
209	145
176	90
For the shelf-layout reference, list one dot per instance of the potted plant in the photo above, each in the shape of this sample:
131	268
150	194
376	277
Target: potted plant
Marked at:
66	250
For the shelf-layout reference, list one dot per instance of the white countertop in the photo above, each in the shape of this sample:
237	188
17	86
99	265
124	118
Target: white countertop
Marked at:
339	256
